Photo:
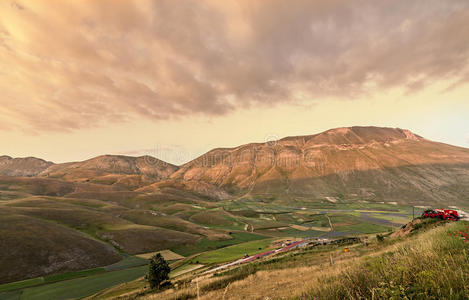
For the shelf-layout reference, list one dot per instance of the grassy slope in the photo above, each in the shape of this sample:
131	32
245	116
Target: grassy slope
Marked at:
429	264
433	265
31	247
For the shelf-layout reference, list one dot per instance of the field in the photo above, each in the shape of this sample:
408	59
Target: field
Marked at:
20	284
185	269
82	287
52	281
232	252
206	244
167	255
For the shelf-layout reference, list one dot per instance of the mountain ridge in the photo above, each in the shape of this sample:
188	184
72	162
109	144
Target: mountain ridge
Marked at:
342	162
314	165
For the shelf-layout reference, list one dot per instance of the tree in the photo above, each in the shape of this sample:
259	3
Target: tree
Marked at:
158	271
380	238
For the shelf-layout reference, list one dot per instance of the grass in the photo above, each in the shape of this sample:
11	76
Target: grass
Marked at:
232	252
54	285
433	266
206	244
82	287
21	284
29	245
120	289
128	262
364	228
184	269
431	263
14	295
71	275
167	255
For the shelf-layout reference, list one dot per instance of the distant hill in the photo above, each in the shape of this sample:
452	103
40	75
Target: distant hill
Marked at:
102	168
372	163
29	166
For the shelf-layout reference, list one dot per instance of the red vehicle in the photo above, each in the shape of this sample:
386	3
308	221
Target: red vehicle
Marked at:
445	214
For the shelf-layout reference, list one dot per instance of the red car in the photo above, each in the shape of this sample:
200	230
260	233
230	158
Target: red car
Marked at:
445	214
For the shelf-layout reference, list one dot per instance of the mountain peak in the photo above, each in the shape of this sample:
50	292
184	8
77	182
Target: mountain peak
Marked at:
357	135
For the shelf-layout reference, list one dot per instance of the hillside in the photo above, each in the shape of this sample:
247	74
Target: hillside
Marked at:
29	166
357	163
428	263
131	172
32	247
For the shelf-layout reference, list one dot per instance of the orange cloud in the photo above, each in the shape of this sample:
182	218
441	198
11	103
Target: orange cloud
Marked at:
67	65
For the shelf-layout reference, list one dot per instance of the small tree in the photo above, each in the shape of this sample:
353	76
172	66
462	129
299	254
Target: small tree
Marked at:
380	238
158	271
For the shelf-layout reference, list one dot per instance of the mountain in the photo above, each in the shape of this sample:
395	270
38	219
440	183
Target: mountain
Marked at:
361	163
29	166
355	163
131	172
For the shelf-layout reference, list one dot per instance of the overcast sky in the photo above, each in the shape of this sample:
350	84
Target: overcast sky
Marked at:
176	78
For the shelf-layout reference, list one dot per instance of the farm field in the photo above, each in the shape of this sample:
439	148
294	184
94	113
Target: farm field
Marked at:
167	255
52	281
206	244
82	287
185	269
75	288
232	252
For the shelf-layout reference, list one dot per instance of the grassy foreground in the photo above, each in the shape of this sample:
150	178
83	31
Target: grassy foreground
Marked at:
431	263
434	265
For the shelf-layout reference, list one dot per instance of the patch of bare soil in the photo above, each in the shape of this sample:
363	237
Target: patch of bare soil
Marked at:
407	229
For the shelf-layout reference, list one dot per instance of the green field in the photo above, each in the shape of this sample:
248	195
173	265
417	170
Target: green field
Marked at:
20	284
72	275
128	262
206	244
82	287
232	252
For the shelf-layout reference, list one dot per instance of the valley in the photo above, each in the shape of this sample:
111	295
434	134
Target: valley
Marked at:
95	222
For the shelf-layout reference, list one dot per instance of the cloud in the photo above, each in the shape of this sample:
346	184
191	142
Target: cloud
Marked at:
74	64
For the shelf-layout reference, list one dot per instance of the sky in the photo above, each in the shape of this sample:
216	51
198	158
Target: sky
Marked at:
174	79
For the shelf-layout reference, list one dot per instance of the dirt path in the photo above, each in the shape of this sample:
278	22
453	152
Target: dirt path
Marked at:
330	222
